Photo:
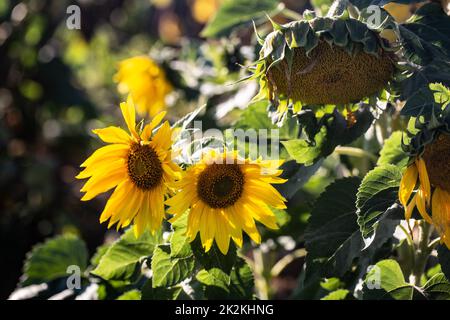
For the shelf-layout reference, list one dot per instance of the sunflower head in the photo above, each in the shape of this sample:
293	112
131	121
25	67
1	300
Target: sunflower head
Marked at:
225	194
324	60
426	181
138	165
146	82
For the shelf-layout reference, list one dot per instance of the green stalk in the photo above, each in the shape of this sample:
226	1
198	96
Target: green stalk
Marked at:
423	251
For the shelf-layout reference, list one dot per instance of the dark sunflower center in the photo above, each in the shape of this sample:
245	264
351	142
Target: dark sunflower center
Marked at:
220	185
437	160
330	75
144	167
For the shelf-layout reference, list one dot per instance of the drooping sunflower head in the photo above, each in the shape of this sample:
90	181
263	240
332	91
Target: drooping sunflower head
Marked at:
325	60
426	181
225	195
146	82
138	165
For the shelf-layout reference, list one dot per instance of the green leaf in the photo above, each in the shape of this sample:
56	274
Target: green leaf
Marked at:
150	293
49	261
392	152
233	13
333	238
214	258
101	250
325	134
179	243
215	283
426	43
130	295
302	151
339	294
437	288
385	281
169	270
444	260
219	285
379	179
297	175
441	94
122	258
255	117
242	282
377	202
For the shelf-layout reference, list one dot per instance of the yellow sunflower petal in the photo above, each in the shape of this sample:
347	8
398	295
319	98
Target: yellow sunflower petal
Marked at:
163	137
103	185
129	114
110	165
207	229
105	153
113	135
410	208
441	212
117	200
132	209
421	204
407	184
222	235
148	129
424	180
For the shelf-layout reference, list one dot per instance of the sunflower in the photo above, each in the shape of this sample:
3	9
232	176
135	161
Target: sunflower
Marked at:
226	194
146	82
430	172
323	61
138	166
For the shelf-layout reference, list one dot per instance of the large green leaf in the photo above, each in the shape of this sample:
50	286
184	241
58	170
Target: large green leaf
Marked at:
233	13
437	288
379	179
325	134
333	238
122	258
297	175
130	295
385	281
160	293
340	294
241	281
378	210
215	282
179	243
219	285
426	43
214	258
50	260
170	270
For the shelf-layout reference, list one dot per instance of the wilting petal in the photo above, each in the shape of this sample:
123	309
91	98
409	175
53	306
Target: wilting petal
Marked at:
424	180
407	184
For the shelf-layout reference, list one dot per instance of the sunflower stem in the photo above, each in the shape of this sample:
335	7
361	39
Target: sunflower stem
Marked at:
261	283
291	14
422	253
355	152
286	260
337	8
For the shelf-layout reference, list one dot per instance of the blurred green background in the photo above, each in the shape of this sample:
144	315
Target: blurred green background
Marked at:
56	85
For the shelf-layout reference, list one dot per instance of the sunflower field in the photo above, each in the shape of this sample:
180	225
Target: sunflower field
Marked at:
225	150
